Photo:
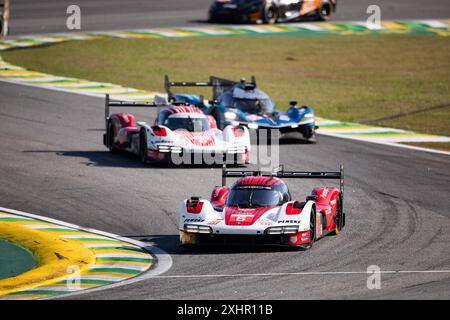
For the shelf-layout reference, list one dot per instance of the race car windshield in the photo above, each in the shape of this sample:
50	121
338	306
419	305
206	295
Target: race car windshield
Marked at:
252	198
188	123
254	105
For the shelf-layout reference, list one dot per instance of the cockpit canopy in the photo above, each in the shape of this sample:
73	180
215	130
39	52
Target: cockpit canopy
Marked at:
189	122
248	100
253	192
186	117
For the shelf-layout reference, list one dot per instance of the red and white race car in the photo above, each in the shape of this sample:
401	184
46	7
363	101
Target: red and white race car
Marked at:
258	209
181	134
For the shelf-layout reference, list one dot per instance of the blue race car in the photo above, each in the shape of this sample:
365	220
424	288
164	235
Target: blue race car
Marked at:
243	103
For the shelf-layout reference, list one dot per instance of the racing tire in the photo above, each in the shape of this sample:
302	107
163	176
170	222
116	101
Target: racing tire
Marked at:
269	13
143	149
324	12
110	138
309	134
339	219
312	229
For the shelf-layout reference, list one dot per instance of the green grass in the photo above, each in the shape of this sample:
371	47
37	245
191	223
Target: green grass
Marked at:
350	78
445	146
436	122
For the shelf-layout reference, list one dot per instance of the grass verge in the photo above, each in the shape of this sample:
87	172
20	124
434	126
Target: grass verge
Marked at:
445	146
349	78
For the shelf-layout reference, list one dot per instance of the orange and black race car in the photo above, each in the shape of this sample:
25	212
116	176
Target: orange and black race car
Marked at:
270	11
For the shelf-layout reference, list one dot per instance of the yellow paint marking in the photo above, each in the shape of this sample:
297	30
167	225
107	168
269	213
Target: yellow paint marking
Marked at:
34	222
30	296
272	28
137	253
181	32
37	76
394	25
130	263
100	241
54	255
108	274
329	26
18	72
139	35
116	243
440	32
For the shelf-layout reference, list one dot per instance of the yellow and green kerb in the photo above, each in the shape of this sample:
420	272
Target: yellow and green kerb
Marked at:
67	259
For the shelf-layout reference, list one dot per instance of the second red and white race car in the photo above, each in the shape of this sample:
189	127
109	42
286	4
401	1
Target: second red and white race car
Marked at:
181	134
258	209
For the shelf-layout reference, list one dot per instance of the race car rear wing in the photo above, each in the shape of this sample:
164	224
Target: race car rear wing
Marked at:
337	175
219	85
127	104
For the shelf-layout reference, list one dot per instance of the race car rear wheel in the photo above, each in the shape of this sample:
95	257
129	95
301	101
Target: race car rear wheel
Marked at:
324	12
269	13
143	149
339	218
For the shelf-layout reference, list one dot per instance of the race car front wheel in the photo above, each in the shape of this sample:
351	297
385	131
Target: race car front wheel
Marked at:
312	229
269	13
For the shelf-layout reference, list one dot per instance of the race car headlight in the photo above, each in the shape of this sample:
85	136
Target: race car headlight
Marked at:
230	115
282	230
194	228
165	149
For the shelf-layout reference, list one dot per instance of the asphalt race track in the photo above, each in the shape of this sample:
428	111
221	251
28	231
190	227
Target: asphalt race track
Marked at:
45	16
53	163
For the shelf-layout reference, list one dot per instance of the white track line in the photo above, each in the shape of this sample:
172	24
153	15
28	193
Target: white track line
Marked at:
391	144
317	273
163	259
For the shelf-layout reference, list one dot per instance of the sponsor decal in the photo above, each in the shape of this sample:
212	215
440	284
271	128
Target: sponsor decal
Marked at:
254	117
324	194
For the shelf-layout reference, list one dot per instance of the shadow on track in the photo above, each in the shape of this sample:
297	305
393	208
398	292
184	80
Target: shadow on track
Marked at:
171	245
121	160
294	141
231	22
